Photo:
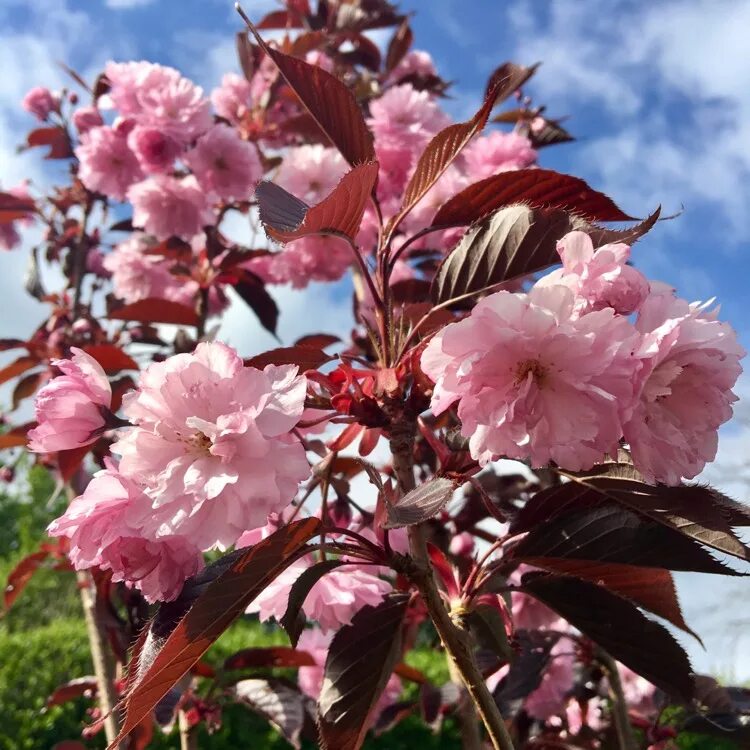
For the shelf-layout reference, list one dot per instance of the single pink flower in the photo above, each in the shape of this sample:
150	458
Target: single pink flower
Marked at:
212	446
691	362
533	382
155	151
488	155
86	118
224	164
159	97
166	206
104	526
310	679
332	601
415	63
71	408
598	278
232	99
107	165
41	102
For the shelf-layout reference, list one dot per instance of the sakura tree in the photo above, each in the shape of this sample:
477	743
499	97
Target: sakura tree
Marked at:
357	493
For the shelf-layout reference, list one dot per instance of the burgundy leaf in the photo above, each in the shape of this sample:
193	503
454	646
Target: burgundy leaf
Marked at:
536	188
255	295
305	357
17	367
278	703
317	340
55	137
511	242
508	78
603	235
281	19
271	656
111	358
618	627
329	101
399	45
293	620
650	588
13	208
190	632
16	436
360	660
155	310
421	504
27	386
73	689
550	134
247	54
607	532
286	218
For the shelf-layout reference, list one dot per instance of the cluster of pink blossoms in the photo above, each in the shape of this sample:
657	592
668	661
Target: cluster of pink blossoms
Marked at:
210	455
562	374
163	125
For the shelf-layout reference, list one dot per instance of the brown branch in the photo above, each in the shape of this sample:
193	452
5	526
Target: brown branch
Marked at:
625	735
457	641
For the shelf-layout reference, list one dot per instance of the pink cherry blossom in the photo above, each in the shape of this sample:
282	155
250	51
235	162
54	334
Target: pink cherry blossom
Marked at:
155	151
405	117
166	206
332	601
212	445
311	172
107	165
462	544
305	260
316	643
598	278
225	164
232	99
41	102
159	97
104	527
551	696
497	152
640	694
415	63
70	409
86	118
533	382
691	361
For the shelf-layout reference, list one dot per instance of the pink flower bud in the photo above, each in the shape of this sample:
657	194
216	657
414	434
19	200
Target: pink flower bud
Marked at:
41	102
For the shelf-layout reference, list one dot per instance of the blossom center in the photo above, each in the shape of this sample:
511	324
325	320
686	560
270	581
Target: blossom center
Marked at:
201	443
533	366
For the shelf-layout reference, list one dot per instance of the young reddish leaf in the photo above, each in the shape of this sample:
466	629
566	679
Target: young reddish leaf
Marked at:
7	344
247	54
399	45
255	295
618	627
444	570
280	19
328	100
278	703
17	367
317	340
26	386
407	672
603	235
360	660
272	656
73	689
21	575
510	242
652	589
16	437
607	532
216	607
421	504
155	310
507	79
293	620
536	188
55	137
286	218
305	357
13	208
111	358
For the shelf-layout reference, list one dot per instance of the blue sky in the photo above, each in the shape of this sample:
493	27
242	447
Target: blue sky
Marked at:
659	98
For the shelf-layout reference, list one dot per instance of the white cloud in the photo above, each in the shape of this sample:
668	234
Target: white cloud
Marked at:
673	78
